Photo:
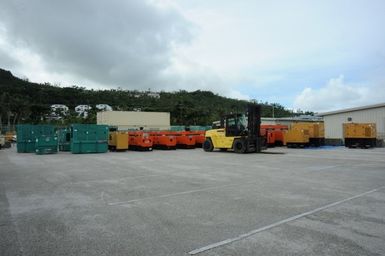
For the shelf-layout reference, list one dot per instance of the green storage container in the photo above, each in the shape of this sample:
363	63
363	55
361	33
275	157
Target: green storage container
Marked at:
89	138
64	139
199	128
46	144
177	128
27	134
27	146
25	138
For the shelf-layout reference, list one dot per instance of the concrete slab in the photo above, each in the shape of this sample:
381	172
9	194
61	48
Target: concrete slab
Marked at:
173	202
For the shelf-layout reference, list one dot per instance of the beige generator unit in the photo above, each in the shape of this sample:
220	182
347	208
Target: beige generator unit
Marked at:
316	132
296	137
305	134
118	140
2	141
359	135
134	120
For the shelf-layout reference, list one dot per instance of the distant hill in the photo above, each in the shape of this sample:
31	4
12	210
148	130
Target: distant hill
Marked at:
23	101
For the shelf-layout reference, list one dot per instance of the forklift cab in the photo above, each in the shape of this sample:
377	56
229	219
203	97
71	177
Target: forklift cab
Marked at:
235	125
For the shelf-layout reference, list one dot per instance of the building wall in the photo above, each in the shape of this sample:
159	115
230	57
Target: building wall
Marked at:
333	122
284	121
134	120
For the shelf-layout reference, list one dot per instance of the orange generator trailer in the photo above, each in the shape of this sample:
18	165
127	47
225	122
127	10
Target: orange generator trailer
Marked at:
184	139
163	140
199	138
140	140
274	134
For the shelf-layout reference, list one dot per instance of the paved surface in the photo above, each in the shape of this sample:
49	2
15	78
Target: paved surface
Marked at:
175	202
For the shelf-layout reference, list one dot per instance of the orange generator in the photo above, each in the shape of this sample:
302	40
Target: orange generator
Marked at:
199	137
184	139
274	134
163	140
140	140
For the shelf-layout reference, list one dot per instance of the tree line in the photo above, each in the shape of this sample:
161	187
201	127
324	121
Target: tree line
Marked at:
22	101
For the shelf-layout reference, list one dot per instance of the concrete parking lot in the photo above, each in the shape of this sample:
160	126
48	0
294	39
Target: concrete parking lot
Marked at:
328	201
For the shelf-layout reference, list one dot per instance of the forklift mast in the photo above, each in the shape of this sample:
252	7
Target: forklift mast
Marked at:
254	120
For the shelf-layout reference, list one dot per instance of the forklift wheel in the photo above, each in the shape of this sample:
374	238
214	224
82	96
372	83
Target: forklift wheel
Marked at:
208	145
239	146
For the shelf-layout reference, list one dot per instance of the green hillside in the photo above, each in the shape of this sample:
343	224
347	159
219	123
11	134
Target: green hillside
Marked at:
26	102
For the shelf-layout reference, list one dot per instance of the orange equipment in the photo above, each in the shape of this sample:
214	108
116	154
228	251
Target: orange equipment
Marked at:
199	137
184	139
162	140
274	134
140	140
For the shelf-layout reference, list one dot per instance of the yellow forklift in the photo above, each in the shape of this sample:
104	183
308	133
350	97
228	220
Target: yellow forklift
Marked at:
237	132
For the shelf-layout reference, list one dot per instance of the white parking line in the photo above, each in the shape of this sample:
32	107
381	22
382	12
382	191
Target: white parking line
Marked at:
179	193
240	237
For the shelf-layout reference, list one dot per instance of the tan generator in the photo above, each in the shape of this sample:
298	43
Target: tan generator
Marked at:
118	140
296	137
360	135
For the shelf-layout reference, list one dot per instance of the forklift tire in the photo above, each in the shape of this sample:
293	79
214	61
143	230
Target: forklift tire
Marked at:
208	145
239	146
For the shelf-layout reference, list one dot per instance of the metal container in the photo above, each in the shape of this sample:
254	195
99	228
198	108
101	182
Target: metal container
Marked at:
46	144
64	139
89	138
27	134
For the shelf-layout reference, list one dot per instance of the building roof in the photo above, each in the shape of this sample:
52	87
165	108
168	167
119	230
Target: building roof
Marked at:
379	105
296	118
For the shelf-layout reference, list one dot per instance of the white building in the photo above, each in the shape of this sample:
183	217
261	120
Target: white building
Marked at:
366	114
135	120
58	111
153	94
103	107
82	110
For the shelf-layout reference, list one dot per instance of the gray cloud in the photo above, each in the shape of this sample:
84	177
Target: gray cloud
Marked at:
118	42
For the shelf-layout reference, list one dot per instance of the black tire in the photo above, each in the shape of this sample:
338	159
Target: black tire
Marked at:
208	145
239	146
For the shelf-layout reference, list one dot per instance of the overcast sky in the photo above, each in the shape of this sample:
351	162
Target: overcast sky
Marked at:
313	55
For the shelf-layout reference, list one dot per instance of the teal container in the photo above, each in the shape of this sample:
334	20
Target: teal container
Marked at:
64	139
89	138
199	128
27	134
177	128
27	146
46	144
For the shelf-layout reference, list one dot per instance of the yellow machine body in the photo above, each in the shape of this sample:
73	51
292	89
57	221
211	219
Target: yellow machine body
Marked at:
219	139
2	141
296	136
316	129
360	130
10	136
118	140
